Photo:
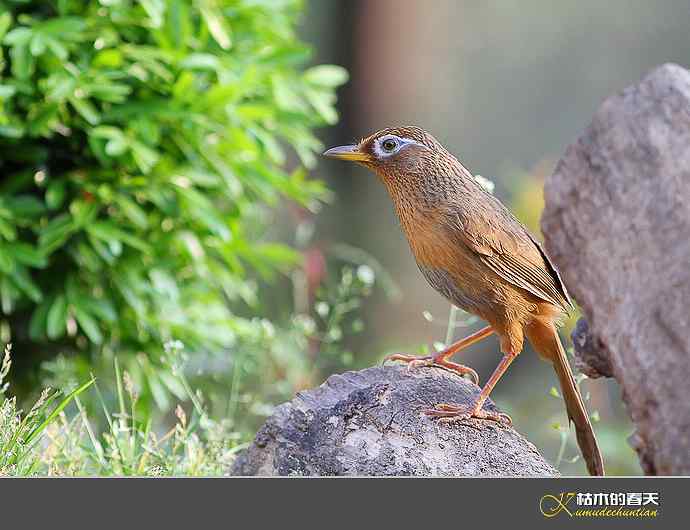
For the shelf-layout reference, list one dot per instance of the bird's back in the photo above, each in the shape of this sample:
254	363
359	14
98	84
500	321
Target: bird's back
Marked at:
474	252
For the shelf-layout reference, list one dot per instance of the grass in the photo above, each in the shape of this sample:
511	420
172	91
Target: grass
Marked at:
47	441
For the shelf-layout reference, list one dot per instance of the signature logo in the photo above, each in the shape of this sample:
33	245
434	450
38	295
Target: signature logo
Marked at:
552	505
601	504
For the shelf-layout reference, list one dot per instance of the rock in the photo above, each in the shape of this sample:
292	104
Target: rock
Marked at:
591	357
371	423
617	224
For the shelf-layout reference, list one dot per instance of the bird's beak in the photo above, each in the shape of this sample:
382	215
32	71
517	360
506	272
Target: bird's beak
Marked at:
347	152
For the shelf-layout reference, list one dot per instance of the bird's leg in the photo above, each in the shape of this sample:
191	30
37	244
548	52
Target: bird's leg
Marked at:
451	413
441	358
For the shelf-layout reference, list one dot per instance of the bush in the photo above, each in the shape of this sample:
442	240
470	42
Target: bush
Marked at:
140	144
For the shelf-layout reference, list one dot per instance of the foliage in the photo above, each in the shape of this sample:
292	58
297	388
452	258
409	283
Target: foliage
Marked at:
20	434
141	143
47	441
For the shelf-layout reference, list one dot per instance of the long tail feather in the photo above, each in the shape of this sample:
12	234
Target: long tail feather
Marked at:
547	343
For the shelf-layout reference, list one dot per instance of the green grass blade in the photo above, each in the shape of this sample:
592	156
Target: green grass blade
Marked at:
61	406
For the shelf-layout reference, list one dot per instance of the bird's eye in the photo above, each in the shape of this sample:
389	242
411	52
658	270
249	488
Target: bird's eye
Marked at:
389	145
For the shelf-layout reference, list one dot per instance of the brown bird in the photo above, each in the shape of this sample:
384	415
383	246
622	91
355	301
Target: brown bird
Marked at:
473	251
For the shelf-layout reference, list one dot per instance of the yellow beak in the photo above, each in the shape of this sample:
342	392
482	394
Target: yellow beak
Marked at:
347	152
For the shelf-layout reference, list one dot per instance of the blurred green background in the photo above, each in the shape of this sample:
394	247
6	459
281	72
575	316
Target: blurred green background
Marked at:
168	228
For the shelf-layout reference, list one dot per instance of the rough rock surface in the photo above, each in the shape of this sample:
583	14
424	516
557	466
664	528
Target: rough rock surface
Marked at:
371	423
591	357
617	224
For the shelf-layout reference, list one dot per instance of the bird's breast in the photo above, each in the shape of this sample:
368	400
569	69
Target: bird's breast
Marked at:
430	242
449	267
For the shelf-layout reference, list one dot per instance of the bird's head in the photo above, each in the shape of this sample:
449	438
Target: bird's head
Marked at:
391	152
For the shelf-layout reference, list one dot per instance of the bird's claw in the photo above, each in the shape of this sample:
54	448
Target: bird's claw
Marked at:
410	359
415	362
447	413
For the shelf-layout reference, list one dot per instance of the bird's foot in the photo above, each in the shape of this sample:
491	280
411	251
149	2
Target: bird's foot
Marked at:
446	413
436	360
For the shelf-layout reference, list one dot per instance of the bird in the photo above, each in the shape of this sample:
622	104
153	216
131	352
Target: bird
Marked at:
478	255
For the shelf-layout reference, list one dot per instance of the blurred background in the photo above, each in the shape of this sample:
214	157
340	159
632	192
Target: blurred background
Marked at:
505	86
175	257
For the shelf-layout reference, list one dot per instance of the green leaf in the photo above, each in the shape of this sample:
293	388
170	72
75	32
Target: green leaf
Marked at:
200	208
26	254
326	75
5	23
86	109
109	91
155	10
107	232
57	48
6	262
88	325
22	279
57	318
45	118
7	230
56	233
8	295
144	156
60	86
102	250
38	322
217	24
24	205
100	307
108	132
85	256
111	58
132	211
286	95
55	194
177	23
323	104
7	91
67	28
38	44
116	148
198	61
22	61
18	36
83	211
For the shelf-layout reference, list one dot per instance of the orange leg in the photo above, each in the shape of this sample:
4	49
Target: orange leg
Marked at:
441	358
451	413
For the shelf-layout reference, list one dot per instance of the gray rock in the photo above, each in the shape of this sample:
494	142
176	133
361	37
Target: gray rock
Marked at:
591	356
371	423
617	224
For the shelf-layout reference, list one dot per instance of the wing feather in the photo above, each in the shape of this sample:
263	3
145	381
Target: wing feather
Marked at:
506	247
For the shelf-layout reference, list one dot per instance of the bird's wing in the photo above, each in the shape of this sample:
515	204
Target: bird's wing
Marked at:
506	247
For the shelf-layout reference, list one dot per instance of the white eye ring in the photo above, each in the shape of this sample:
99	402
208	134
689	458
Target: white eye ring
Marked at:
388	145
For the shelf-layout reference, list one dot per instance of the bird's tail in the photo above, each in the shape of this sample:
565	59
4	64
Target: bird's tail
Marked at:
545	340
